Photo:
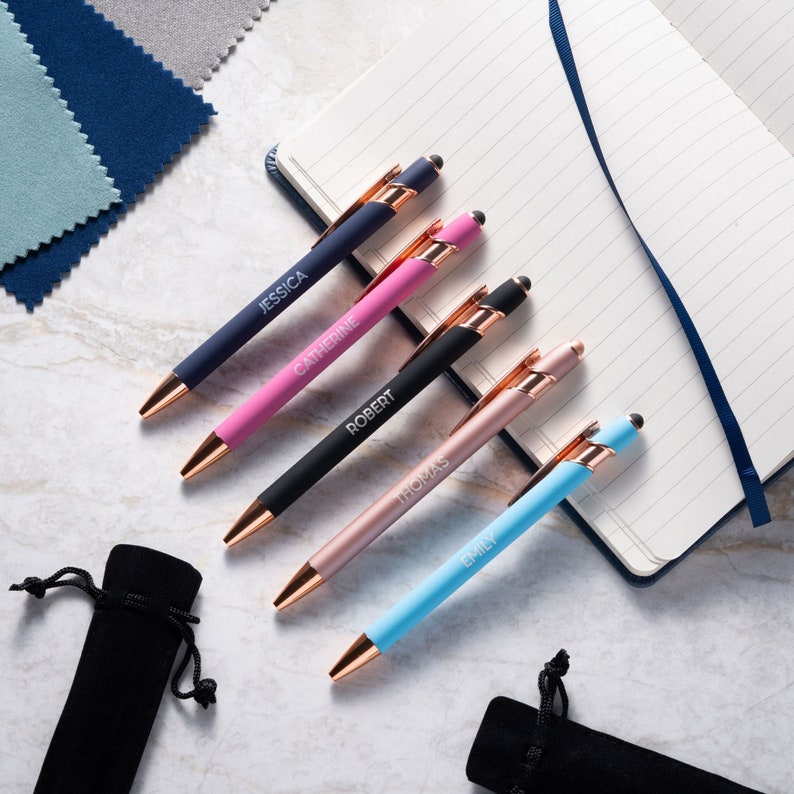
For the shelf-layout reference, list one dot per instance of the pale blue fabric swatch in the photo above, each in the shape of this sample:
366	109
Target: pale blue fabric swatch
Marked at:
50	178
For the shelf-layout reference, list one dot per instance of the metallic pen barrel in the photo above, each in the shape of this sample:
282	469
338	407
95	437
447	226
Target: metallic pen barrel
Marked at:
356	227
560	481
522	385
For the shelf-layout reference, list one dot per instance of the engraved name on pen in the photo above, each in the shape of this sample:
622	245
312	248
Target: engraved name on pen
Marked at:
416	484
479	549
368	413
272	299
326	345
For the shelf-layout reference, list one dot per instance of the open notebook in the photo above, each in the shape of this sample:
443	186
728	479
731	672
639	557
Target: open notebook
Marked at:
683	102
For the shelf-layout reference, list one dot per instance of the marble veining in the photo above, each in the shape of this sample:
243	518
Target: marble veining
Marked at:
697	666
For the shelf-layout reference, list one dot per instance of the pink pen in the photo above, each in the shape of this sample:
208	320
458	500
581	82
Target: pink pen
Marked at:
514	392
401	277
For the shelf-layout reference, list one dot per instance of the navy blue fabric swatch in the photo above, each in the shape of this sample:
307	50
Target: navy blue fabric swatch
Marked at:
136	115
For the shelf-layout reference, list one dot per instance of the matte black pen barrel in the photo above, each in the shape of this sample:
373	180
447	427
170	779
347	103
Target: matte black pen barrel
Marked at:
372	414
387	401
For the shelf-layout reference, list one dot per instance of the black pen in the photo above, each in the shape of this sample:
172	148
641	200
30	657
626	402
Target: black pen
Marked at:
454	336
361	220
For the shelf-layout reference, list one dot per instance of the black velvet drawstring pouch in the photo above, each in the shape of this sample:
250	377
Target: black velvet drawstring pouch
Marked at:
140	618
522	750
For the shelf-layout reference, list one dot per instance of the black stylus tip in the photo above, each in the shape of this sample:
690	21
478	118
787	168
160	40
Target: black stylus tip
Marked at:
526	282
637	420
479	217
437	161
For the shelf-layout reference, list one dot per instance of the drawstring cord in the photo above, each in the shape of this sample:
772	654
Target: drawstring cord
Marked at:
203	691
549	684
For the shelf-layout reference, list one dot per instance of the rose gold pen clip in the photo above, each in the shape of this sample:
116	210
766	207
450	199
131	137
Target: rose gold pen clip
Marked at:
468	313
423	246
531	375
475	313
579	449
522	376
383	190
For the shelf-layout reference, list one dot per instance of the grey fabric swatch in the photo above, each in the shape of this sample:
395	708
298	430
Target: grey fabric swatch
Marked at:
189	37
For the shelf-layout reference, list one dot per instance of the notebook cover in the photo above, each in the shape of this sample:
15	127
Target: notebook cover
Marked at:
632	578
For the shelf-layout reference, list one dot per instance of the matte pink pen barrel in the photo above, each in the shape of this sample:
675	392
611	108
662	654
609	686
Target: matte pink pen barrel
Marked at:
511	396
344	333
395	283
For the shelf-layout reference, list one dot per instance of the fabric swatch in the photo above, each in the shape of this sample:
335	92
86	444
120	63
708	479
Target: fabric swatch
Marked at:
190	37
50	179
136	115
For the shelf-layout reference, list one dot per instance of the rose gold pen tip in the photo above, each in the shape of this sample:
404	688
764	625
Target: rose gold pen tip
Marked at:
211	449
304	581
363	650
578	347
254	518
169	390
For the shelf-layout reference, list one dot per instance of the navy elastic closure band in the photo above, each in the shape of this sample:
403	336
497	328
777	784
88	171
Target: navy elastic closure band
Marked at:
751	482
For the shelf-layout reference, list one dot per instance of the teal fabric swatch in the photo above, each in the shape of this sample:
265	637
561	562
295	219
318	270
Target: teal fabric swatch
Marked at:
136	115
50	178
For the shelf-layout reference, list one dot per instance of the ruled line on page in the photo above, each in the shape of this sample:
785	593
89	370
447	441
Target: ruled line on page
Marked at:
751	47
707	185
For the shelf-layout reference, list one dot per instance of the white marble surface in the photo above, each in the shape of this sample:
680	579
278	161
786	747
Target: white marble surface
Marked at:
697	667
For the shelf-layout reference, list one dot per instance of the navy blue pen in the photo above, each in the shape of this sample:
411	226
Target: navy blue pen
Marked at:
361	220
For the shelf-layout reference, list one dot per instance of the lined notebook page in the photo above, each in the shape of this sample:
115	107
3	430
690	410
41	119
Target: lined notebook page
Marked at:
751	46
710	188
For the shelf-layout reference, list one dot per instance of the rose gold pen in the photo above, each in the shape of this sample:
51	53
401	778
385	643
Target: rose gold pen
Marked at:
510	396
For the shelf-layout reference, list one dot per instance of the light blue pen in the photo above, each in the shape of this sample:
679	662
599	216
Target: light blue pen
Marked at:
554	481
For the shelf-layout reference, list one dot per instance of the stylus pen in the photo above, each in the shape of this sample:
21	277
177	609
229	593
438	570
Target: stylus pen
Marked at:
402	276
361	220
453	337
524	383
567	470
